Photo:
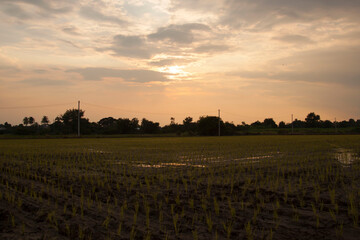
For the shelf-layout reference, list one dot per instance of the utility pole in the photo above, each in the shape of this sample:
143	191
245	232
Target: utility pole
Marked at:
219	121
78	118
335	126
292	124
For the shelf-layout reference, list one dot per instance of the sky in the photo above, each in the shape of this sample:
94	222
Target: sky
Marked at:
157	59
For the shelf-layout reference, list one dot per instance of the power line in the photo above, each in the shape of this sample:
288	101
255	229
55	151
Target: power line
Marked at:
140	112
37	106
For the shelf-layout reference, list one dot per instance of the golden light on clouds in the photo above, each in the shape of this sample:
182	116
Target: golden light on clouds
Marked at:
252	58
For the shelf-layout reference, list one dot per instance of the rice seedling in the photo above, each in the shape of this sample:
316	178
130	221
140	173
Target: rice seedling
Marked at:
190	186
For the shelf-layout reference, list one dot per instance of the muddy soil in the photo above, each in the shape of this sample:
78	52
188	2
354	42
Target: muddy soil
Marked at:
48	200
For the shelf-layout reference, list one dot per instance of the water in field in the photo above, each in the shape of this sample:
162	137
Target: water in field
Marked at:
201	161
346	156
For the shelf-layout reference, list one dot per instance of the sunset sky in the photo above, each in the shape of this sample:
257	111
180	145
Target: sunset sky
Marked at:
176	58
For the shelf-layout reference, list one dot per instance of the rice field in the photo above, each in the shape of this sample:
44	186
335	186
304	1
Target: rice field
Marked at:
245	187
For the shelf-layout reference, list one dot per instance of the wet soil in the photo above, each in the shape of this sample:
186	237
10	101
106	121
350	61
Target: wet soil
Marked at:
86	200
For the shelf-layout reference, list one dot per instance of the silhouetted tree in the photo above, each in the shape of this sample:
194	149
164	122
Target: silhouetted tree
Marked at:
70	121
31	120
127	126
209	125
327	124
26	121
256	124
243	126
312	120
299	124
134	125
45	120
108	125
229	128
352	122
149	126
357	124
269	123
189	125
282	124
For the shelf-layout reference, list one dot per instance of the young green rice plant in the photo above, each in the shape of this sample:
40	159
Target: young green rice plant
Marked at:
231	208
161	217
177	199
106	222
352	209
118	231
12	220
249	231
203	203
175	223
296	213
339	230
185	184
216	207
19	203
65	208
332	214
194	219
22	229
314	209
208	189
332	195
228	228
209	222
81	234
74	210
195	234
191	203
256	212
147	211
67	229
135	215
271	234
285	195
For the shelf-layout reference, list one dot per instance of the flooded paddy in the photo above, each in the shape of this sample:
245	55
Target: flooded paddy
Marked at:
346	156
253	187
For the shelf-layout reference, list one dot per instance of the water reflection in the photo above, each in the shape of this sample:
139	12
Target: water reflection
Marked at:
346	156
168	164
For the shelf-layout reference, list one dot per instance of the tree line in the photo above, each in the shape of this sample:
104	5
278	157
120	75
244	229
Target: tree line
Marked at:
67	123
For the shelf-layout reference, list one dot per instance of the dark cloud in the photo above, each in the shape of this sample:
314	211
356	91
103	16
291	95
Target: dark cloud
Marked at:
145	47
96	15
211	48
140	76
335	66
71	30
46	5
170	62
293	39
44	82
69	43
263	15
198	5
183	34
15	11
130	46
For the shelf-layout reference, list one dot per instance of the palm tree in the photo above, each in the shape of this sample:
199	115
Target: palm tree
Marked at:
45	120
31	120
26	121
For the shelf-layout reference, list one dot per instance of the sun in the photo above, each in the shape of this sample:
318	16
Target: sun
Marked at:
173	69
174	72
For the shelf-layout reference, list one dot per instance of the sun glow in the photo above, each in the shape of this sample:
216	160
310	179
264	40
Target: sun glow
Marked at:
174	69
174	72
